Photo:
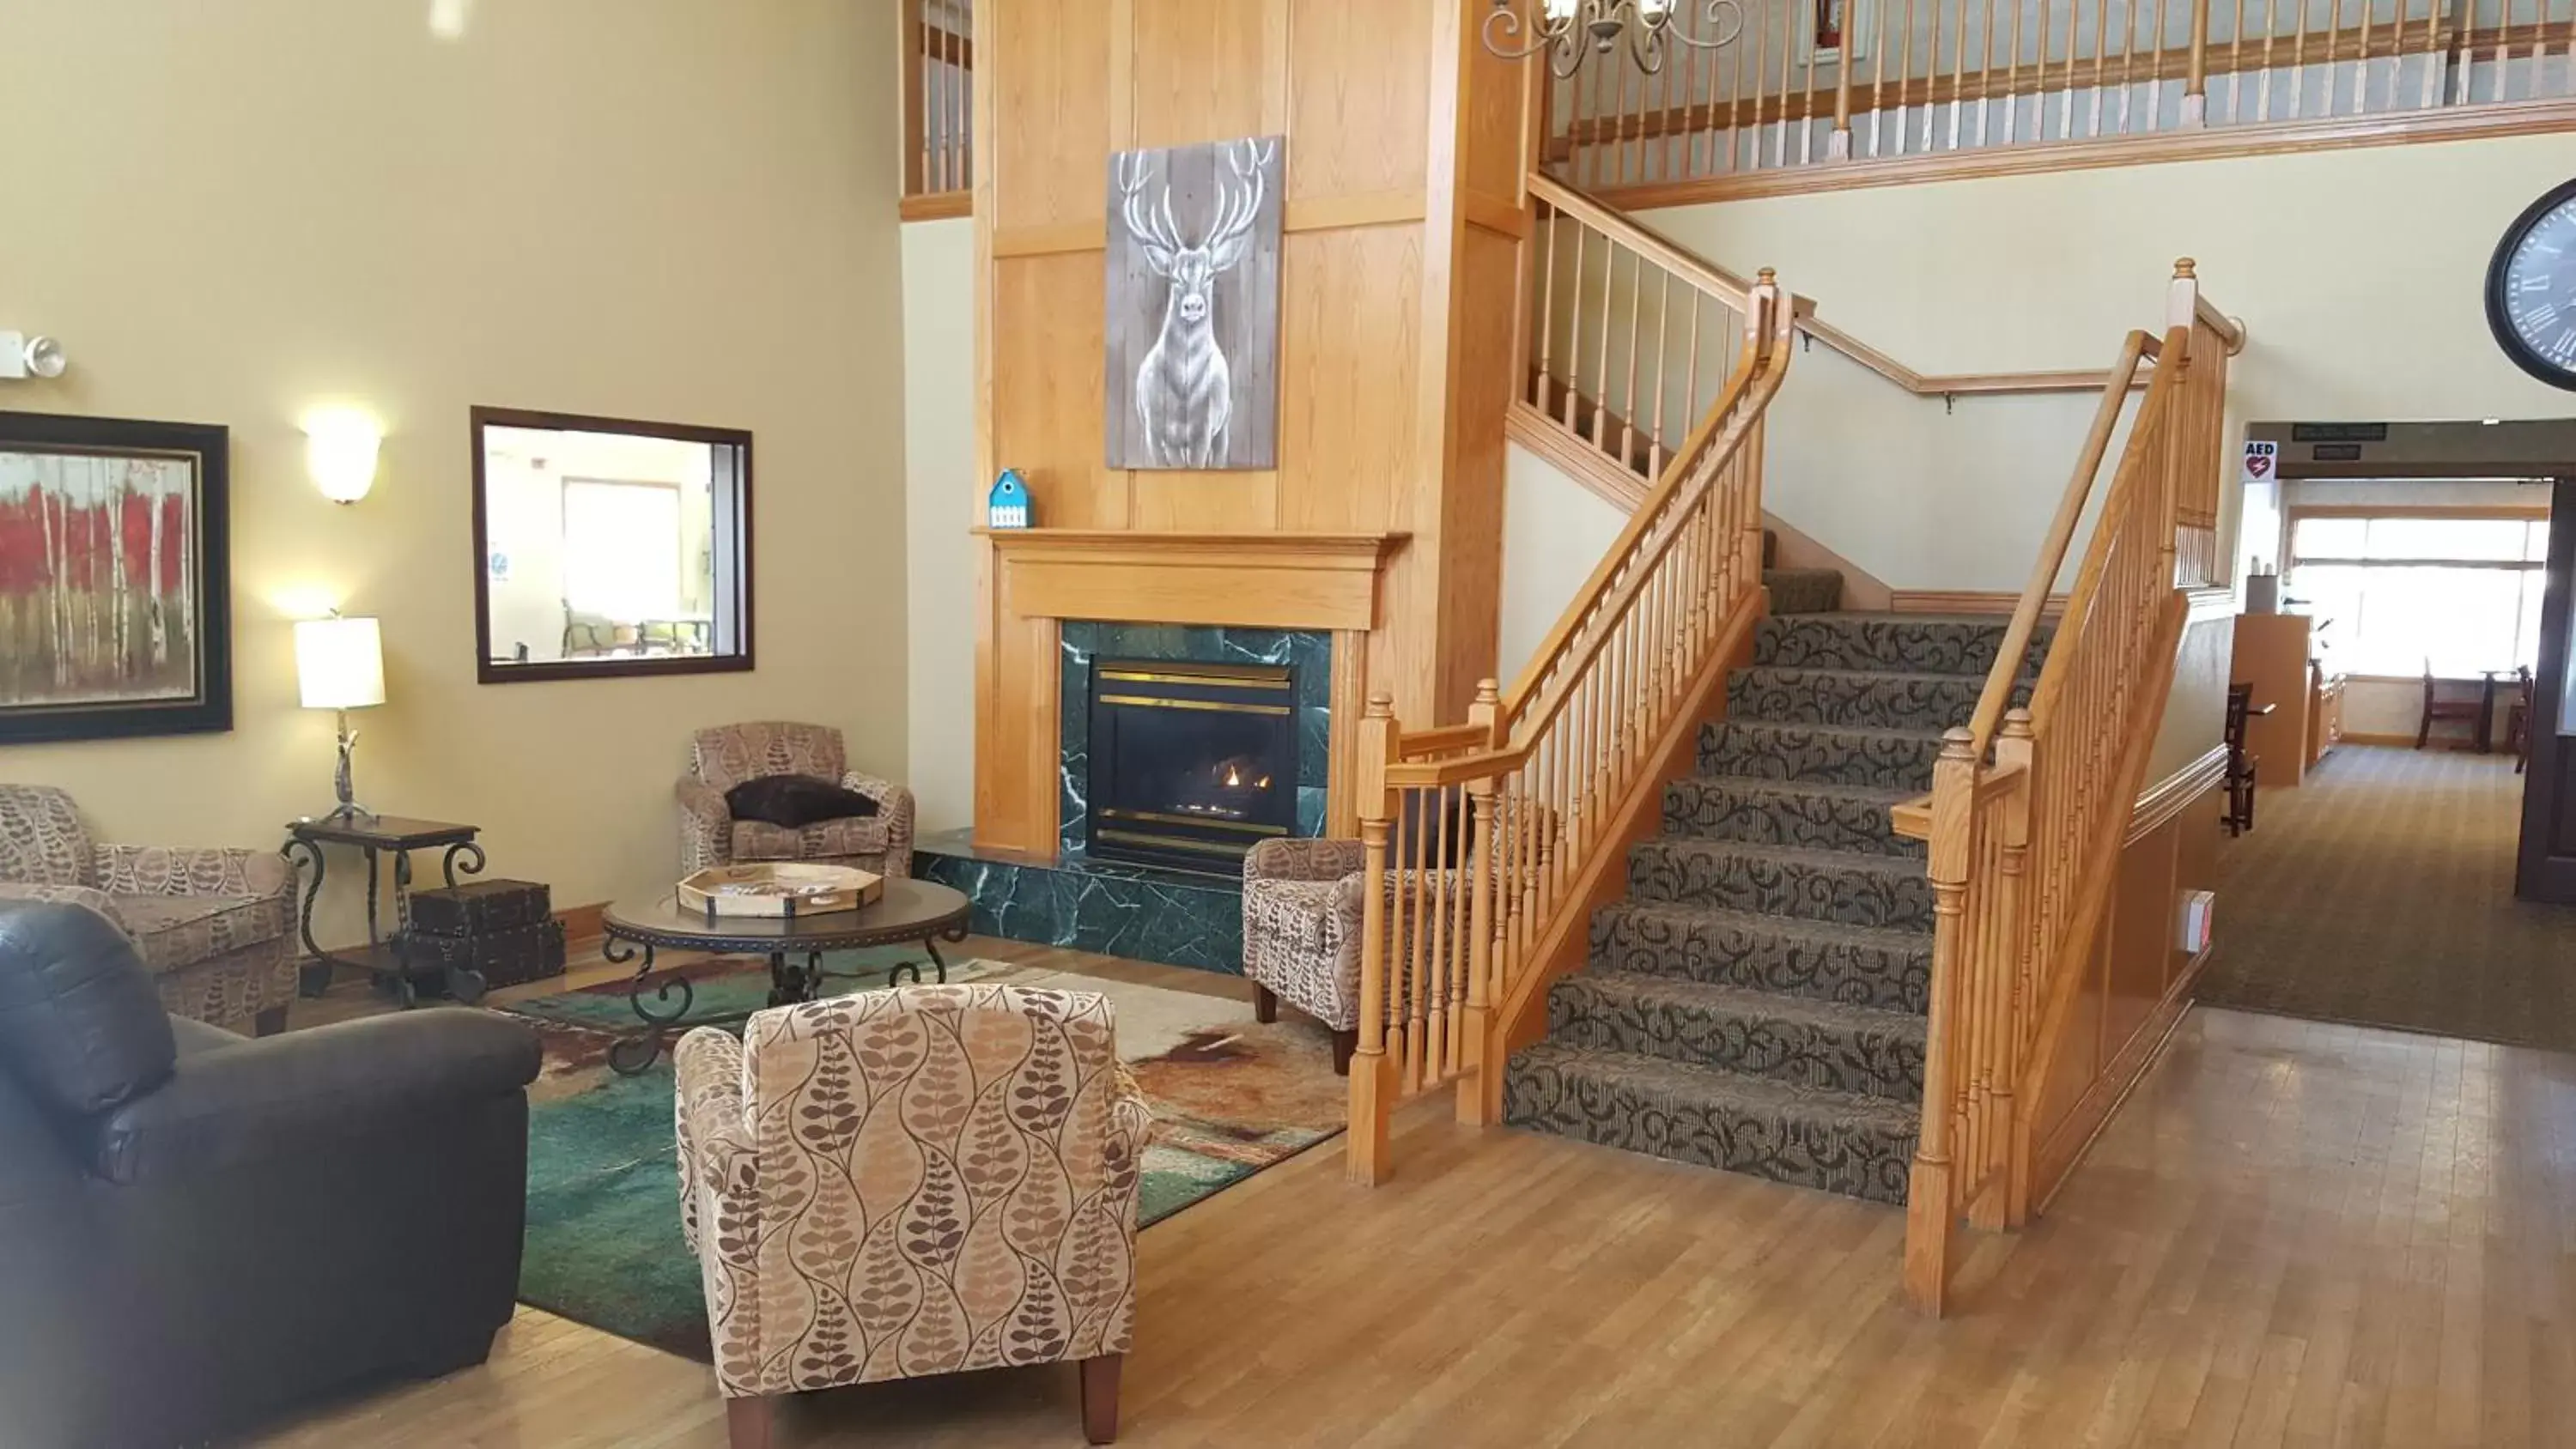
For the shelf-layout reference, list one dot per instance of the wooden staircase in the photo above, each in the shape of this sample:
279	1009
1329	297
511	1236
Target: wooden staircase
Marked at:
1757	1002
1735	878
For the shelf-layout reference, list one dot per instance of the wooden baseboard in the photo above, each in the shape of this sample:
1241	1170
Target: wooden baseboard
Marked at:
1862	590
1967	601
2350	738
938	206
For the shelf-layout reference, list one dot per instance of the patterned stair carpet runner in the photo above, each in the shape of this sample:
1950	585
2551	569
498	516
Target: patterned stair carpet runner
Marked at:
1757	1002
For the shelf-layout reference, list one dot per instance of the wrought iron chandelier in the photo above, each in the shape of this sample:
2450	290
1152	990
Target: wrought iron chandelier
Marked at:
1573	29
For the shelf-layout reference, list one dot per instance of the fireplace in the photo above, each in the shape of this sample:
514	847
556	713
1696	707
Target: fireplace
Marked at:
1190	764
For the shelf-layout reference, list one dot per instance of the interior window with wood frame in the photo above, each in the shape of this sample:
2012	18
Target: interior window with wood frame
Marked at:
605	546
2401	590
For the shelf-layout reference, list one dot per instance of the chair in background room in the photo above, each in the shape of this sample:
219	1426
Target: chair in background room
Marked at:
199	1231
2437	709
2517	720
2240	764
216	928
824	1149
730	755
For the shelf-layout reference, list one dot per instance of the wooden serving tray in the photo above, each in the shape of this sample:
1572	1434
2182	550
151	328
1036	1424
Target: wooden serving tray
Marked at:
779	889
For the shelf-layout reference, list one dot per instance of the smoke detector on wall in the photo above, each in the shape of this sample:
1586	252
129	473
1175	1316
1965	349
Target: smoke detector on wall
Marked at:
24	356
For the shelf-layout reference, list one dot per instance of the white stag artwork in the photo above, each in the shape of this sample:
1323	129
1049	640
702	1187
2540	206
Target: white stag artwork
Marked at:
1203	392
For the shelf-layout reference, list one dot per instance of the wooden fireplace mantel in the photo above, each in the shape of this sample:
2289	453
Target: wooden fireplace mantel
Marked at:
1244	580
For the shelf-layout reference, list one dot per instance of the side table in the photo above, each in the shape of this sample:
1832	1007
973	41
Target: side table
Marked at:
379	836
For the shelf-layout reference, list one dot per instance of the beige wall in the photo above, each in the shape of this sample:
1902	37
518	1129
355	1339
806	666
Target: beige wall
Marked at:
1555	533
944	496
2353	316
648	208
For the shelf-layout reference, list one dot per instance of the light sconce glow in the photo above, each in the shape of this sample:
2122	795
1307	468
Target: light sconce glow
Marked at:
340	452
447	18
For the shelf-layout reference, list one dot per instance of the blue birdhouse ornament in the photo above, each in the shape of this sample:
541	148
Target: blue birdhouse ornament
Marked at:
1008	507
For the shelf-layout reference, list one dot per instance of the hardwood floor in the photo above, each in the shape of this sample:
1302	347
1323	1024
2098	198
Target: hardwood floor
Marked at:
2296	1234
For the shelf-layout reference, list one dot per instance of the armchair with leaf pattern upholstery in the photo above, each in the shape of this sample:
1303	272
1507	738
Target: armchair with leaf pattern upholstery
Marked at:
216	928
1304	902
904	1183
724	757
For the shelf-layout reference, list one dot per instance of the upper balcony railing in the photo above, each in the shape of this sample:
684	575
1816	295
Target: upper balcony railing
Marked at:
938	50
1977	86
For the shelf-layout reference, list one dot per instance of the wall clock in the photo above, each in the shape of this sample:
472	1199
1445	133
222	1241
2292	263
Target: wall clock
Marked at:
2531	289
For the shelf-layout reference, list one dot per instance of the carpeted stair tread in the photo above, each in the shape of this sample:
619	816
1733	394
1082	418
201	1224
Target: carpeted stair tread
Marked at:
1913	643
1822	960
1803	591
1841	1142
1846	887
1891	759
1760	1033
1872	698
1809	813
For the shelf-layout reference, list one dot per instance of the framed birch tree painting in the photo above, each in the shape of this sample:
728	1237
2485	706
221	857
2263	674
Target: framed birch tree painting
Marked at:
114	601
1192	320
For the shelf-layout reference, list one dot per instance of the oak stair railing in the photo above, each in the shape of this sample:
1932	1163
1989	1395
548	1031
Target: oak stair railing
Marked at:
1886	90
2029	806
1489	841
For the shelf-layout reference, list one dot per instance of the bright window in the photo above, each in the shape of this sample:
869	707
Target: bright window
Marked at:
621	549
2399	591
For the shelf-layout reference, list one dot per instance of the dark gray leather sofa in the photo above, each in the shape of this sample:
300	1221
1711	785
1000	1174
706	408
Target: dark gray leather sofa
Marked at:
199	1230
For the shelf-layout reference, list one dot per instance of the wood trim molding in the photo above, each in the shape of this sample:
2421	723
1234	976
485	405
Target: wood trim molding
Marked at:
1319	213
1501	215
2404	742
2210	601
1047	241
1254	580
1573	457
2524	512
1368	208
1967	601
2168	798
938	206
2512	118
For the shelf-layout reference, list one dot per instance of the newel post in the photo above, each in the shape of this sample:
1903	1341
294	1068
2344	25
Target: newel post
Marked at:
1931	1209
1372	1074
1480	1095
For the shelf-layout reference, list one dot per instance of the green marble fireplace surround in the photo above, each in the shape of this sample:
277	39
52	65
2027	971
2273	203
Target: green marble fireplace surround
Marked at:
1145	913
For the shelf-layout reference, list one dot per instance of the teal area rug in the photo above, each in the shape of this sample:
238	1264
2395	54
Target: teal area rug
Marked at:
1230	1096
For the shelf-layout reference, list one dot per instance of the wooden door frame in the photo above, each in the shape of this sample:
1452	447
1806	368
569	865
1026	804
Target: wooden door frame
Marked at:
2537	875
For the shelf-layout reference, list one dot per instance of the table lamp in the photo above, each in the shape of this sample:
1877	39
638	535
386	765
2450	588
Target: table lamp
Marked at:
340	666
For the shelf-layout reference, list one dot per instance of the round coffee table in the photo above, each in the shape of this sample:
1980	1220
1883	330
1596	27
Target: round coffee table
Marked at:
912	912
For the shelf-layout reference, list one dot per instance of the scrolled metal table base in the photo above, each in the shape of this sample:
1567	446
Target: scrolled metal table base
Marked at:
790	981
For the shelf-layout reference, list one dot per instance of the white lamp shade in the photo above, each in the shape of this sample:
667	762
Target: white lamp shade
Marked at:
340	454
339	663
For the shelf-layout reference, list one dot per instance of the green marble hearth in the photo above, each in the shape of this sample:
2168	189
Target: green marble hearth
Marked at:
1179	918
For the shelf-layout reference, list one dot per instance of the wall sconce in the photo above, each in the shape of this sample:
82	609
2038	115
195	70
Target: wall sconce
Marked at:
25	356
340	452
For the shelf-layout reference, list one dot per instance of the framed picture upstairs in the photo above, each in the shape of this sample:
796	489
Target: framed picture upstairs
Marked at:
115	590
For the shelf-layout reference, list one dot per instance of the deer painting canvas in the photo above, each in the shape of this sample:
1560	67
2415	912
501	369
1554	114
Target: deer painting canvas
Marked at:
1193	306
